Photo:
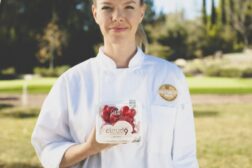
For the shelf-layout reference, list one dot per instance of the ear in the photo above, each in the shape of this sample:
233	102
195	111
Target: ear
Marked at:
94	12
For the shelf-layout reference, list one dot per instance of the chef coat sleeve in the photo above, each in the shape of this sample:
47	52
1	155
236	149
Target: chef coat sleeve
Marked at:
51	136
184	142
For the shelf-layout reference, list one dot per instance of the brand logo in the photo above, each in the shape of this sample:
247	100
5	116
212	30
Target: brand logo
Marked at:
168	92
121	128
115	131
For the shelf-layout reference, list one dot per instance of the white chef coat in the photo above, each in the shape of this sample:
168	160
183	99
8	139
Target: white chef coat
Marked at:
68	114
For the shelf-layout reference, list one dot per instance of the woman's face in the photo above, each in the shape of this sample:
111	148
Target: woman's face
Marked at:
118	19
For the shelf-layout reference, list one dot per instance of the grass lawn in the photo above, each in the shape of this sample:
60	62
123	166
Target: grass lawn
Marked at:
16	127
198	85
223	136
213	85
37	85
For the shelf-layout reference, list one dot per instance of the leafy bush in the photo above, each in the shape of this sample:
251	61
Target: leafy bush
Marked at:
212	70
247	73
8	73
230	72
194	68
61	69
47	72
159	51
43	71
217	71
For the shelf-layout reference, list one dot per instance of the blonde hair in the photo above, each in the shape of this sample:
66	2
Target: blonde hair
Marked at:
141	37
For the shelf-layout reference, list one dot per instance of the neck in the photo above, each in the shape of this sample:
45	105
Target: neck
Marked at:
121	53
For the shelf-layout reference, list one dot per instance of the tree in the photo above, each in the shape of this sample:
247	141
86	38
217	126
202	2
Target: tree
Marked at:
174	36
223	12
204	13
241	19
231	9
51	42
213	14
23	21
20	22
150	12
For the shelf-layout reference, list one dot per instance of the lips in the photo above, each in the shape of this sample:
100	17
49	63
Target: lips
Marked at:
119	29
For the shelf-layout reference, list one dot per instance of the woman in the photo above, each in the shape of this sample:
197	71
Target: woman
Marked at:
64	135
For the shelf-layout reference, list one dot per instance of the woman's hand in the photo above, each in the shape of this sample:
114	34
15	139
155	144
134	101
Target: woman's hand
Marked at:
94	146
79	152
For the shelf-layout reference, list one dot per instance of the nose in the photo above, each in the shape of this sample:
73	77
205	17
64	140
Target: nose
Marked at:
117	16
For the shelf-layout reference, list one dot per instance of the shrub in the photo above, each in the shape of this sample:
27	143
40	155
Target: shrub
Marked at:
47	72
192	71
217	71
212	70
61	69
8	73
230	72
194	68
247	73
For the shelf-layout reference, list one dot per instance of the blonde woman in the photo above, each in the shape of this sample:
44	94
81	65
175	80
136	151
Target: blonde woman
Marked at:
65	134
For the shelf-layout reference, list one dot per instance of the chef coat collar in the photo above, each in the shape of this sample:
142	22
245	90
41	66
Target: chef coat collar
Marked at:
109	63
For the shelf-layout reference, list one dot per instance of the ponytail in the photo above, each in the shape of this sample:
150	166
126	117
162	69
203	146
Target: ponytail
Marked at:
141	38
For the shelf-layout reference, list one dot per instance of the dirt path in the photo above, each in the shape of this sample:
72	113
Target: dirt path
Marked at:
36	100
222	99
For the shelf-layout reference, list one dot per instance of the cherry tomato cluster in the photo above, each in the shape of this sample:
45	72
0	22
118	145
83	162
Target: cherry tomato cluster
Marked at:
112	114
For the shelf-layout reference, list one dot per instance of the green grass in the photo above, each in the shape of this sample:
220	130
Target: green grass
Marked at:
223	136
16	127
198	85
37	85
213	85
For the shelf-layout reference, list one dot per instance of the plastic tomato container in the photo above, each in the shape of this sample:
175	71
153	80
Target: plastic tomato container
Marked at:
118	122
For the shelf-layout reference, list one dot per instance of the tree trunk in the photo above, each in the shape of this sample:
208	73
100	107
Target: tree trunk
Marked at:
204	13
246	40
231	12
213	14
223	12
51	63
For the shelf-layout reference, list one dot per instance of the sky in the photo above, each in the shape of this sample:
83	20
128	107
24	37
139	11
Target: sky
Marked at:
192	7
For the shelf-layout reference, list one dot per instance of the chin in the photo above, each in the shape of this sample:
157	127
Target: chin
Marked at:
118	39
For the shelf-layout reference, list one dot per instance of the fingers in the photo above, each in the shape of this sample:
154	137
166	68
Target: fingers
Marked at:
94	145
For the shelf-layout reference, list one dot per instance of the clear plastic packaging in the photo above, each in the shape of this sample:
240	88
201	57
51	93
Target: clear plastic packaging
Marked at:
119	123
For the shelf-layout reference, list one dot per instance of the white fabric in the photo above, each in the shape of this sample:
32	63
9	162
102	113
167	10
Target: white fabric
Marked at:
68	114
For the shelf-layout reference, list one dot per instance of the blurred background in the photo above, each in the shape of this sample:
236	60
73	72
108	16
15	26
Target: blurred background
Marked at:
211	40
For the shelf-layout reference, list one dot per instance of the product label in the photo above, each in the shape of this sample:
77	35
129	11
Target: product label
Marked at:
118	122
121	128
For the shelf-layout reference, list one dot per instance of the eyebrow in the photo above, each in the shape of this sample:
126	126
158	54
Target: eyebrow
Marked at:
108	3
130	2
